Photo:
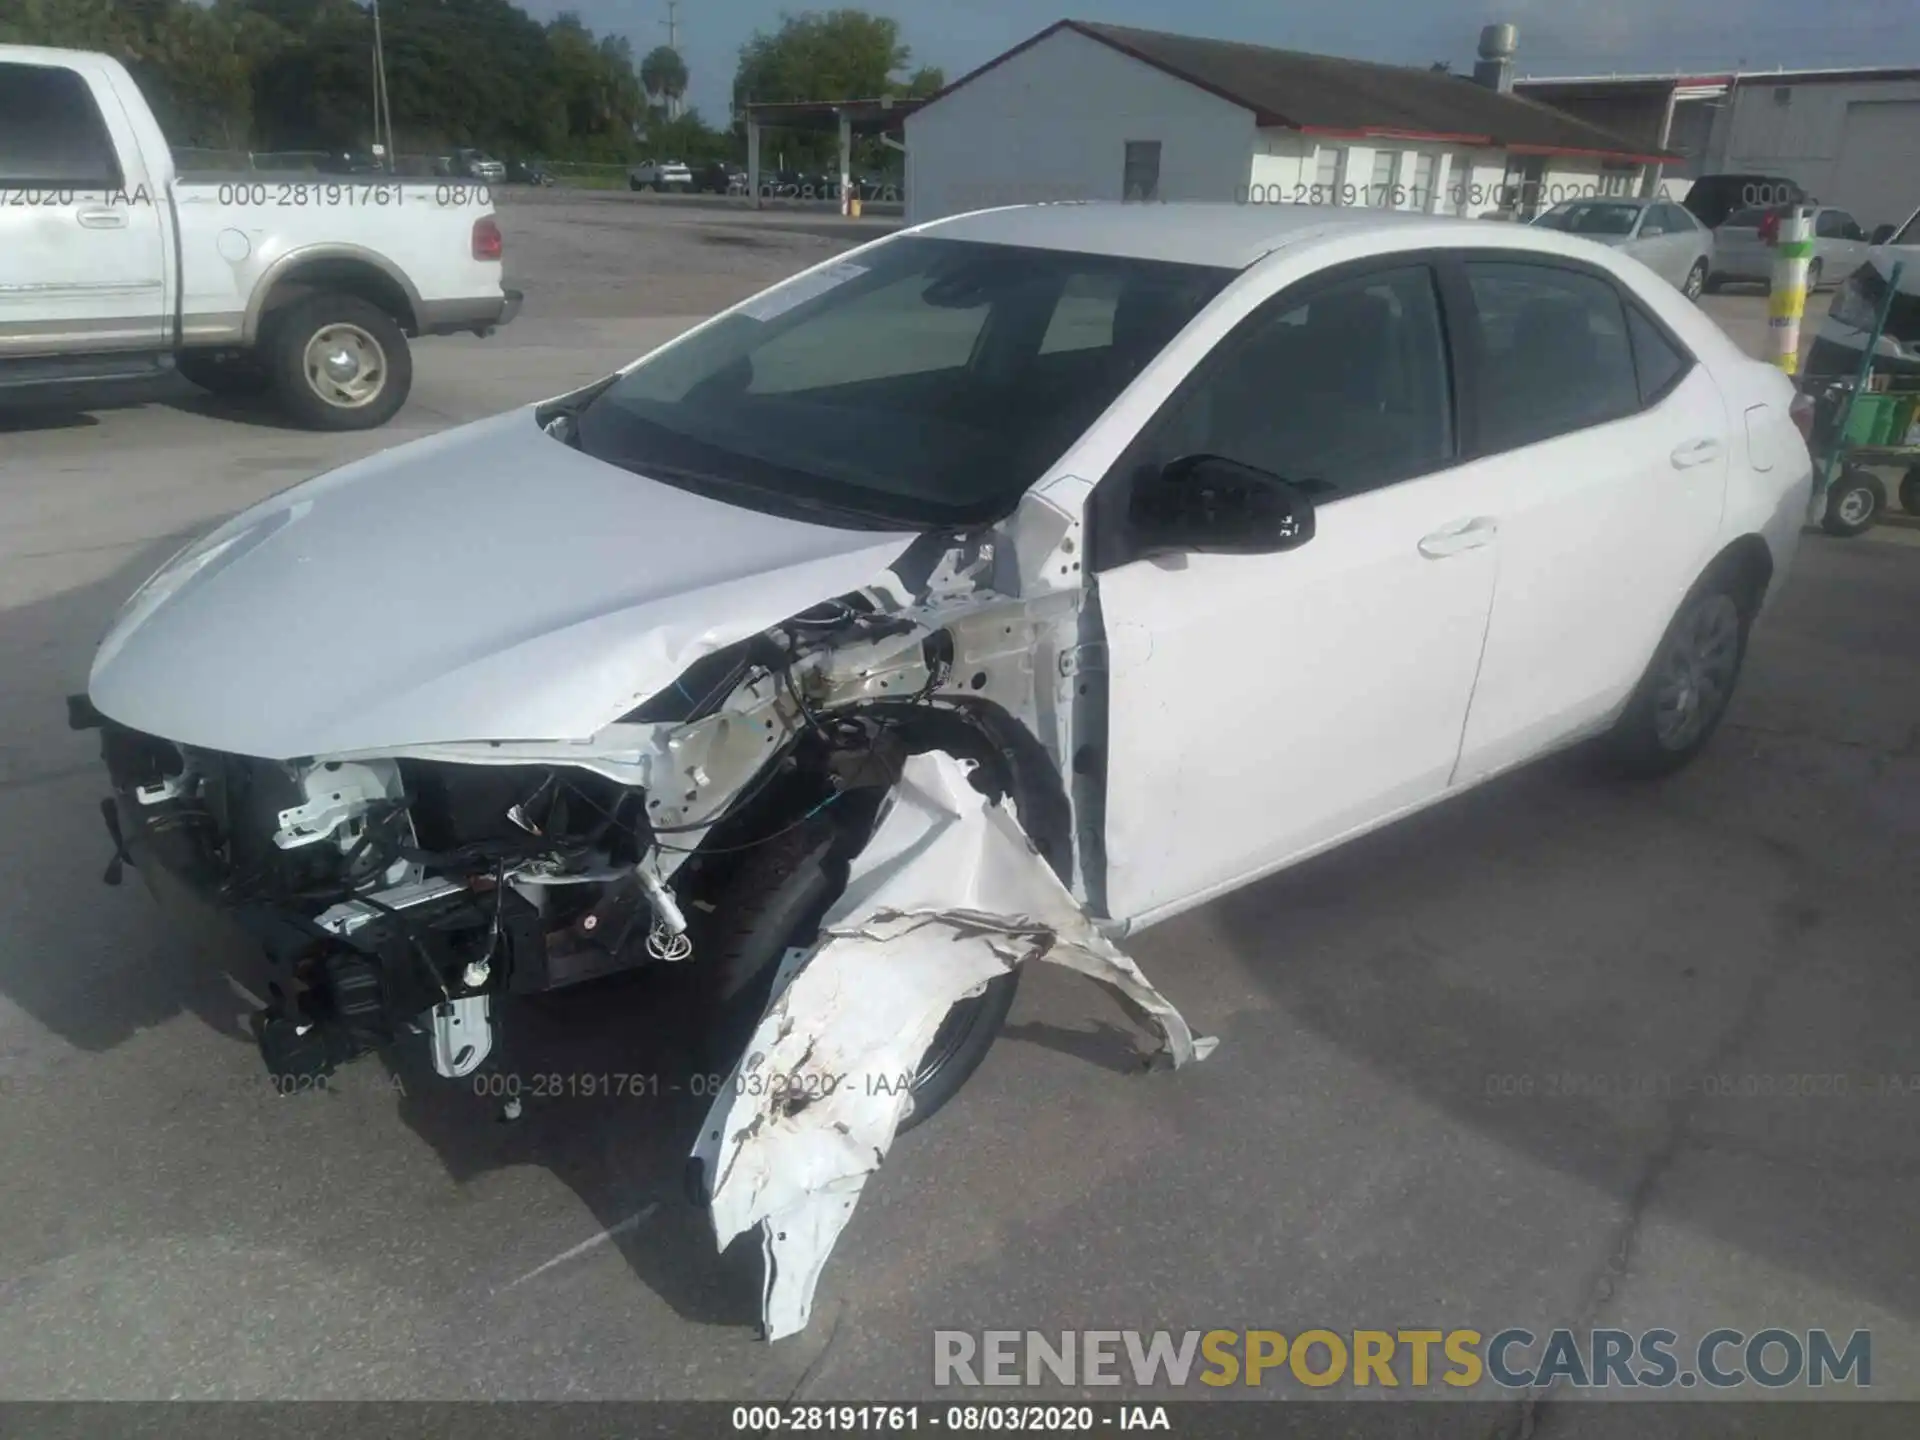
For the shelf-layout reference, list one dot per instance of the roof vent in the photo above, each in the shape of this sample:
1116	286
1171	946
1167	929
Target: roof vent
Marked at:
1494	68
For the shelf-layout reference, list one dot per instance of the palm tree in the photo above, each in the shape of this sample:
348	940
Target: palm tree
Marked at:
664	74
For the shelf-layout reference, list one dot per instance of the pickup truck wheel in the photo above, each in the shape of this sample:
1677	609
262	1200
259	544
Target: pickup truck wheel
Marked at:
340	363
236	374
774	901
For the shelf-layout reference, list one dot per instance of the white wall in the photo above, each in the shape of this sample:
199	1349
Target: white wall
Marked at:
1807	138
1052	124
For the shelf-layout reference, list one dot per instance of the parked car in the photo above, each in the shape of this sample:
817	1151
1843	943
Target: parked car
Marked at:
1658	233
1744	246
528	172
469	164
1712	198
1472	493
126	270
716	177
351	162
660	175
1843	334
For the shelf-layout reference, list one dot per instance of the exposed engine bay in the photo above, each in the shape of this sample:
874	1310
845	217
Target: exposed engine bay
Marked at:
404	893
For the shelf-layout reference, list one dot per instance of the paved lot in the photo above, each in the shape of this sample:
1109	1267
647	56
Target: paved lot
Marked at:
1526	1060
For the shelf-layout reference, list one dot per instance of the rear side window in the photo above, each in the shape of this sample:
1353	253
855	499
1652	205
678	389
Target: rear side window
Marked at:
1748	218
51	133
1656	360
1554	353
1674	219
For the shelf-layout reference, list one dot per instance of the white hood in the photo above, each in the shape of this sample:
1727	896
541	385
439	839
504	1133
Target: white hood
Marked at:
488	583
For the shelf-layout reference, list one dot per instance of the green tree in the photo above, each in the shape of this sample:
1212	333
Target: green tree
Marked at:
663	74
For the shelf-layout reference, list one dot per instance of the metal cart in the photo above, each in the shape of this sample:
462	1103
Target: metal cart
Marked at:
1854	428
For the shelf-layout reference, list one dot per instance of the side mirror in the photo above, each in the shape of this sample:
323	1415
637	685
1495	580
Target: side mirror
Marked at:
1881	235
1213	504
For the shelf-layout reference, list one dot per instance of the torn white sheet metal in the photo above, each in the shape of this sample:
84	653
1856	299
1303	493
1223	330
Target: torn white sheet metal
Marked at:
946	896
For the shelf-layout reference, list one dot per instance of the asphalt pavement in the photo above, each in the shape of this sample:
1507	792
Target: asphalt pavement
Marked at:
1558	1052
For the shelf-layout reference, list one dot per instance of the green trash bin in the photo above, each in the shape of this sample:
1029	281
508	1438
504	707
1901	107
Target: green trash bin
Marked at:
1875	419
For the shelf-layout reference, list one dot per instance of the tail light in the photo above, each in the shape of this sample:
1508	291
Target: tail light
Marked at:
1770	228
487	244
1800	411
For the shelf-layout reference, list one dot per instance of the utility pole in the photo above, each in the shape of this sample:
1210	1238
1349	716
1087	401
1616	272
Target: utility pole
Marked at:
382	108
672	22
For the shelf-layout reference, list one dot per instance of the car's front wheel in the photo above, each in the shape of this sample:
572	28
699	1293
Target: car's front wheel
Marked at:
1685	692
1910	491
1696	281
775	901
339	363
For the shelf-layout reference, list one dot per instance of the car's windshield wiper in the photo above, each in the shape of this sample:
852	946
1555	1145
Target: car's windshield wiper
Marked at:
755	497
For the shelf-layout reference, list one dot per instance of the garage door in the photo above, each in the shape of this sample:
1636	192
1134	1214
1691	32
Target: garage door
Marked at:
1878	177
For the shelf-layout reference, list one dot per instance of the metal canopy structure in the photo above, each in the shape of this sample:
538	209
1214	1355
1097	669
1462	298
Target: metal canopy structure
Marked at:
848	118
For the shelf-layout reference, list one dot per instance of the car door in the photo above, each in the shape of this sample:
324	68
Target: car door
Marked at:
1262	706
82	261
1649	243
1605	448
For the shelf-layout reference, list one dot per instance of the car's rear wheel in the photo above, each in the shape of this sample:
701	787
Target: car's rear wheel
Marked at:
1685	692
1910	491
1696	281
1854	502
339	363
773	902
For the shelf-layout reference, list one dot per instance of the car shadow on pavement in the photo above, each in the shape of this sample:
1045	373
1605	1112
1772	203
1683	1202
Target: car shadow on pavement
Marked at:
69	407
1687	995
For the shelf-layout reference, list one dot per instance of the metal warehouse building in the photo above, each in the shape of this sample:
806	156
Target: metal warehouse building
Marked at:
1850	137
1107	112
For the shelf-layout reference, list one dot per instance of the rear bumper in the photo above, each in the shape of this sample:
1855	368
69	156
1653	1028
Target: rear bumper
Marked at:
480	316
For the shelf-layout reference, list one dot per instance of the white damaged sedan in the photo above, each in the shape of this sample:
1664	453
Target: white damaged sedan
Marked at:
977	597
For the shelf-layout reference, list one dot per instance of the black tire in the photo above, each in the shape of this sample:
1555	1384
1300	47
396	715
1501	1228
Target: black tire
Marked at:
1910	491
1813	276
1683	697
774	900
1713	285
315	403
1855	502
634	185
1696	282
232	374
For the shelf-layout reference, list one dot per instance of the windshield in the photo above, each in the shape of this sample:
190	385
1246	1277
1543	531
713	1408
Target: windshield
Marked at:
1745	219
1591	217
925	383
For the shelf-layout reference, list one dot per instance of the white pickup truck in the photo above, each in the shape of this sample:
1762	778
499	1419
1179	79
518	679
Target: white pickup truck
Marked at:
113	266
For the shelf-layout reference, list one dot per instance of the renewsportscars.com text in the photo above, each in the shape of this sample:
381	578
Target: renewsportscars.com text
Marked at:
1412	1359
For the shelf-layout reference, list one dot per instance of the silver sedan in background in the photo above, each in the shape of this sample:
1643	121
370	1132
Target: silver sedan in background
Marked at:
1661	235
1740	255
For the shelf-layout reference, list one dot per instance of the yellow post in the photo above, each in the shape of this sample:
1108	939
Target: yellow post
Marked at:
1788	301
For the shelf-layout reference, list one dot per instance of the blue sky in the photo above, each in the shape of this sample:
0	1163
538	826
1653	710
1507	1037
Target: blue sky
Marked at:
1556	36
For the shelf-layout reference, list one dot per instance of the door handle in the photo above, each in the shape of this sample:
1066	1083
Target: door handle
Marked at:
102	219
1462	536
1695	452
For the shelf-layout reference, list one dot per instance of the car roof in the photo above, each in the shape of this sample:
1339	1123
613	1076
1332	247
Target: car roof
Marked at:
1227	235
1220	234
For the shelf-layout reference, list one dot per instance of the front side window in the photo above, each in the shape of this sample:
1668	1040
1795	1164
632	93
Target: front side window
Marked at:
1554	353
1341	392
924	383
51	133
